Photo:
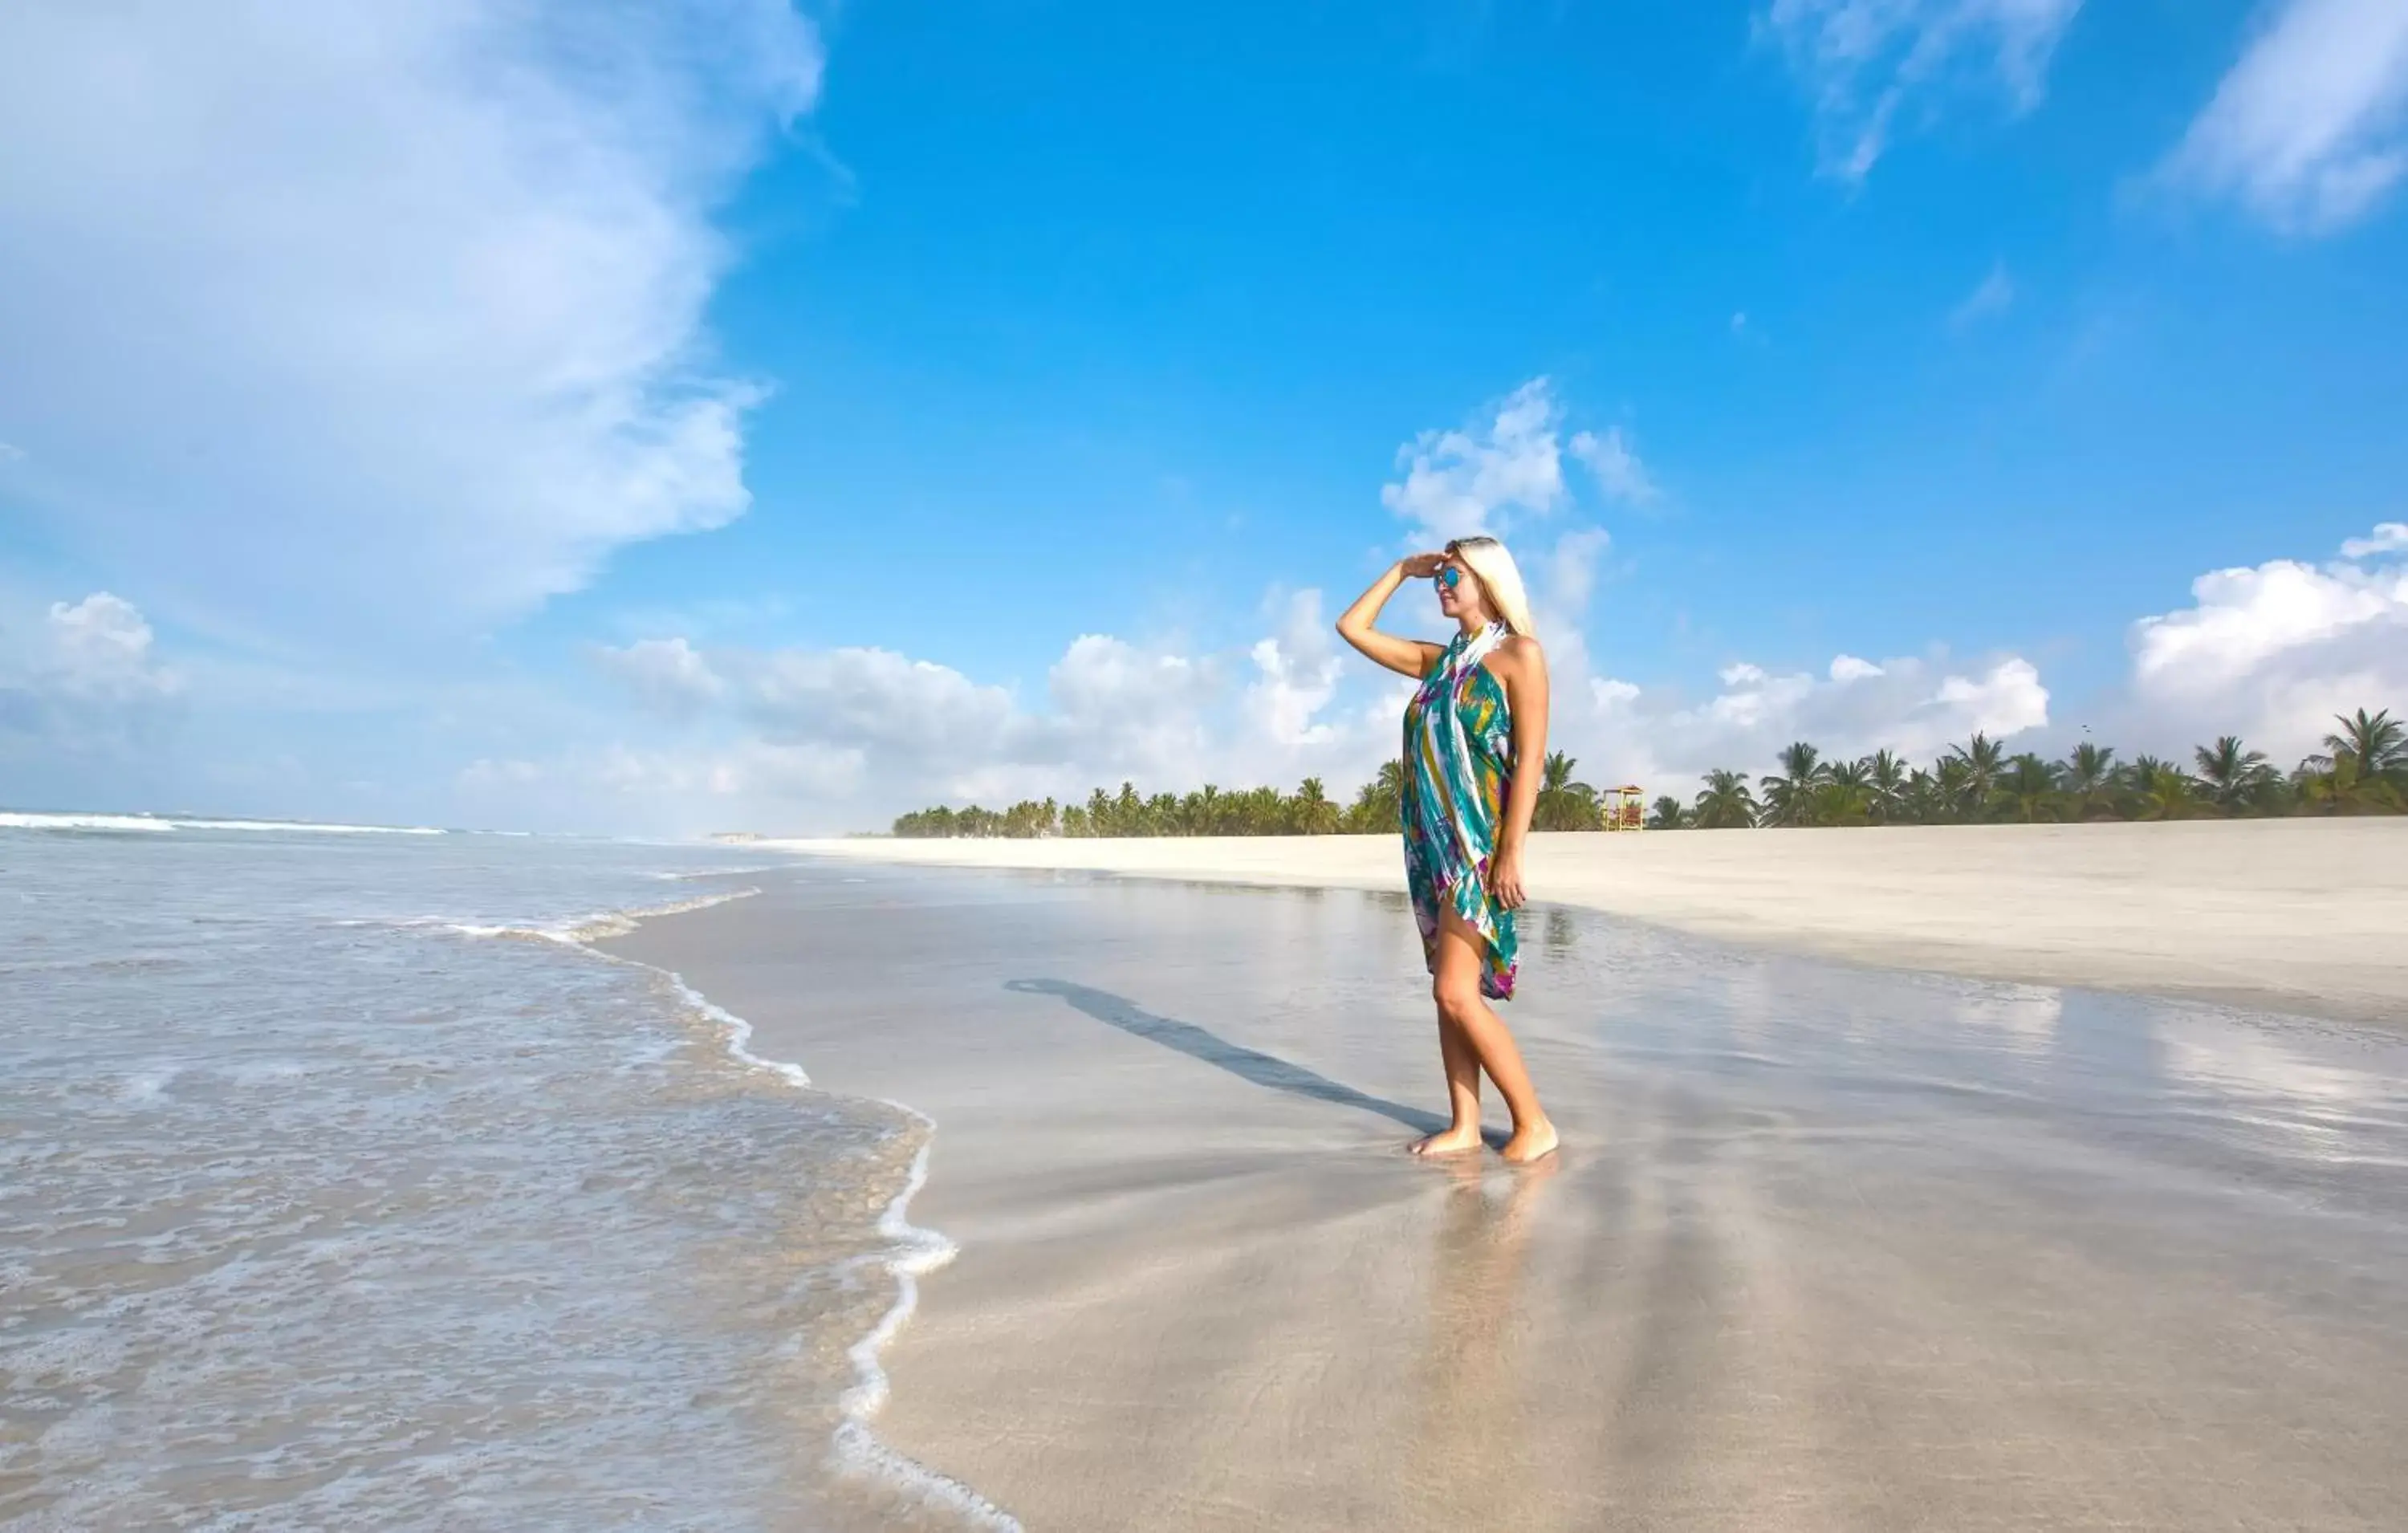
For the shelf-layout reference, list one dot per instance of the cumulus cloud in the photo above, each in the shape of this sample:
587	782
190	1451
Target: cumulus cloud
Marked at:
904	709
1124	708
86	680
1914	706
330	320
101	647
2310	128
666	674
1619	473
1299	669
1571	571
837	739
2271	653
1866	62
2387	537
1469	481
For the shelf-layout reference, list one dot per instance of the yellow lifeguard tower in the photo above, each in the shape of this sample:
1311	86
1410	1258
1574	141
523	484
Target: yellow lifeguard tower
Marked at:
1626	808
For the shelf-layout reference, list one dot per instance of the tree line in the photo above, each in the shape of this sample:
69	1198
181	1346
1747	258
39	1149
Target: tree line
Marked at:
2362	769
1564	804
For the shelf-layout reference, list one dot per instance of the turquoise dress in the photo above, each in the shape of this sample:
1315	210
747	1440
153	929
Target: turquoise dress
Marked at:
1458	768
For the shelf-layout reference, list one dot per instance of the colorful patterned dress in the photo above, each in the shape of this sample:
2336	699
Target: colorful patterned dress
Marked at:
1458	764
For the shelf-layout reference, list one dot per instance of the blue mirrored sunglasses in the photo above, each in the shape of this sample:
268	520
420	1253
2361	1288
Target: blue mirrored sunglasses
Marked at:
1448	578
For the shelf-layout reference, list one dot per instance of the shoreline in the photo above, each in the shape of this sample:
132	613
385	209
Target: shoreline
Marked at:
912	1251
2296	916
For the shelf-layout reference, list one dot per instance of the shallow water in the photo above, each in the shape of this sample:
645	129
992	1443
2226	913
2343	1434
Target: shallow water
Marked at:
338	1187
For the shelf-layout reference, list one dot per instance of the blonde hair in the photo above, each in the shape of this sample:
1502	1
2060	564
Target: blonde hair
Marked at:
1500	578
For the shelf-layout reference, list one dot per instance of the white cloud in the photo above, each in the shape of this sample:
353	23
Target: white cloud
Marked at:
391	315
1125	708
845	738
2387	537
11	453
902	709
668	674
86	680
1468	482
2272	653
1571	571
1867	61
1300	670
2310	128
1611	692
1993	294
101	646
748	773
1619	472
1915	707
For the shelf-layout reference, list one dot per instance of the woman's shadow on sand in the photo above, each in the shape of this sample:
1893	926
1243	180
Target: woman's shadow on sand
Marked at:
1246	1064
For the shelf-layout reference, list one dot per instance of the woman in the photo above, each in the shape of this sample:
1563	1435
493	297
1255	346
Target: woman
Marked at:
1481	709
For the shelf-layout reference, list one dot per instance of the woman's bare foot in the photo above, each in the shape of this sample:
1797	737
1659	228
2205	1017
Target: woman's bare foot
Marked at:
1530	1143
1451	1140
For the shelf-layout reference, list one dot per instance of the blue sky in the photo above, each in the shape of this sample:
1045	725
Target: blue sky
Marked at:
662	418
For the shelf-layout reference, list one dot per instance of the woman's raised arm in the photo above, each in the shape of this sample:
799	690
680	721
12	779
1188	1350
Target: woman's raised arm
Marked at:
1409	656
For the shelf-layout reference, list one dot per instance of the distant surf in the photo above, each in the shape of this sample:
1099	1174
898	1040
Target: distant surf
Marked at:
39	819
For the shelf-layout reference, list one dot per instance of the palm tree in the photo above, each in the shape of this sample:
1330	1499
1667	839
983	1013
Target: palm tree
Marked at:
1564	804
1724	803
2088	779
2335	785
1984	762
2379	741
2030	789
1885	782
1789	794
1838	804
1379	807
1845	796
2163	792
1665	814
2235	779
1952	791
1923	801
1311	813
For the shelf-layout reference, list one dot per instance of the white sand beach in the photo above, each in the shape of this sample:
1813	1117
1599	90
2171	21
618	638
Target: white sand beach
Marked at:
2296	915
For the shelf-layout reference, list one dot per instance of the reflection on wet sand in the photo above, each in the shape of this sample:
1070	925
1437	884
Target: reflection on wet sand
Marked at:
1557	930
2024	1016
1473	1385
1833	1248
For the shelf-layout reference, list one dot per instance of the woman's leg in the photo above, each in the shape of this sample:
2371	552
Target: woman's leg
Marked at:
1462	1066
1457	988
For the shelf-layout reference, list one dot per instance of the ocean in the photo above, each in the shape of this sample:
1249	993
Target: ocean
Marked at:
342	1185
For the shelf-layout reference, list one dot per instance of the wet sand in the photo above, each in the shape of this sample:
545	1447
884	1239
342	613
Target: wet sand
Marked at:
2289	915
1830	1247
